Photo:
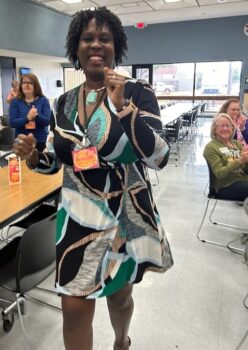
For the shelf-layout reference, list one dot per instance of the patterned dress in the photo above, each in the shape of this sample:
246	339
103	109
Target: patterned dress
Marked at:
108	229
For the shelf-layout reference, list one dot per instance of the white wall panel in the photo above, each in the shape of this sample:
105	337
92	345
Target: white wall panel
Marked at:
47	73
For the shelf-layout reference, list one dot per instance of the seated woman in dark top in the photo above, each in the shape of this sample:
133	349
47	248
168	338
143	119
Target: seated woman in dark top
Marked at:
228	160
30	112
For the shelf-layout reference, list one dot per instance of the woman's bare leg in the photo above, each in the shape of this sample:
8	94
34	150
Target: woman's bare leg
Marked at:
78	316
120	307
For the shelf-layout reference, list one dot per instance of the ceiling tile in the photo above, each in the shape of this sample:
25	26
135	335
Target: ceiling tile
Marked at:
157	11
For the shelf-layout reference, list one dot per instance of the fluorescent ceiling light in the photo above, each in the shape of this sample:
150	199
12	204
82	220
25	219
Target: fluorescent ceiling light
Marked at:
130	4
71	1
172	0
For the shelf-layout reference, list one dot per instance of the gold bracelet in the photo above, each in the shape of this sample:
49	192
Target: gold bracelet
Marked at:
127	110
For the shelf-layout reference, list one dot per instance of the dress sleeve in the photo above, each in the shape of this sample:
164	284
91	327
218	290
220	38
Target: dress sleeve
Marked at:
142	127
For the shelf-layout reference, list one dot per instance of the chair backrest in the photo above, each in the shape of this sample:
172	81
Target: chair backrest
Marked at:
178	127
36	254
4	120
4	160
7	138
211	190
195	114
173	133
203	107
187	116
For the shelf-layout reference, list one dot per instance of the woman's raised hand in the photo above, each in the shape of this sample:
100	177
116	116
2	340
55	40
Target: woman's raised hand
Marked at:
115	87
25	145
242	121
244	156
32	114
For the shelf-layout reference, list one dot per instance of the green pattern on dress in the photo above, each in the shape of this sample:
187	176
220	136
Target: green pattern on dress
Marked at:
102	205
99	115
127	156
123	275
61	215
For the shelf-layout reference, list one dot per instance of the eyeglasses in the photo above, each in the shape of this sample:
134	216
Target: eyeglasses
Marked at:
227	126
27	83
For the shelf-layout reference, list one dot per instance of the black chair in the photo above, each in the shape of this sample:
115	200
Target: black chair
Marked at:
24	263
4	120
41	212
190	122
175	135
212	195
4	160
7	138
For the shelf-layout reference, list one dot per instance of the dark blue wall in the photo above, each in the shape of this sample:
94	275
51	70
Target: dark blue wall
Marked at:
205	40
26	26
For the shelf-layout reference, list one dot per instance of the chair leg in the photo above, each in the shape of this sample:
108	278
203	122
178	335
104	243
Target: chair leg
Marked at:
202	222
233	249
222	223
19	305
20	299
200	227
157	183
228	244
242	341
245	300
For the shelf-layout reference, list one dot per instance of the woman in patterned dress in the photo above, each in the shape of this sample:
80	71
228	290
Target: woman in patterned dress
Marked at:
106	134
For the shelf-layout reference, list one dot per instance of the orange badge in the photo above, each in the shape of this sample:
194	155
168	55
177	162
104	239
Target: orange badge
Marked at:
85	159
30	125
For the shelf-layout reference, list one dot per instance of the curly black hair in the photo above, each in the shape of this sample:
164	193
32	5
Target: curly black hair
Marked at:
102	16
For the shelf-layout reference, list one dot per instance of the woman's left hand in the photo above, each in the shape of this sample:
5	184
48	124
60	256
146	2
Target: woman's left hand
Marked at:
241	122
115	87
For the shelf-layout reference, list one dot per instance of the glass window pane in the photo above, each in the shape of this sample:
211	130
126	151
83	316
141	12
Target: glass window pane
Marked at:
124	70
173	79
218	78
142	74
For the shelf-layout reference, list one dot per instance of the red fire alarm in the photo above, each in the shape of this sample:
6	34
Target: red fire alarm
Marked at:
140	25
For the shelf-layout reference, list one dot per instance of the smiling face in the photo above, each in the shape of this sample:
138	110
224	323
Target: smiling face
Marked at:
27	87
233	110
224	129
96	51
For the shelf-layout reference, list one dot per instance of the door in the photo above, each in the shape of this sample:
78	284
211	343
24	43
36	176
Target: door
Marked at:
143	72
8	73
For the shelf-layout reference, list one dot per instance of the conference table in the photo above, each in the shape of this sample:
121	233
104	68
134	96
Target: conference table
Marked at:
172	113
18	199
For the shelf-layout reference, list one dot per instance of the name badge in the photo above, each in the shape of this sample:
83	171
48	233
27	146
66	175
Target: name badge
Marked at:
85	159
30	125
224	150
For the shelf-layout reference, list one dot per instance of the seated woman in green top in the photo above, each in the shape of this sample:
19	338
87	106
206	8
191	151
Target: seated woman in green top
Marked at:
228	160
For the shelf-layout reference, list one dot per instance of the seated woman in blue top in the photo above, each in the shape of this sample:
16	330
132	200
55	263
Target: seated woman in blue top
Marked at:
30	111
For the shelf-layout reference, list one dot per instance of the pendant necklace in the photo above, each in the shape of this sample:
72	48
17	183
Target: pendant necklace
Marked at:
92	95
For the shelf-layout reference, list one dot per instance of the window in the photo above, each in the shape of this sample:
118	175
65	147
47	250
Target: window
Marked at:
173	79
204	80
124	70
218	78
